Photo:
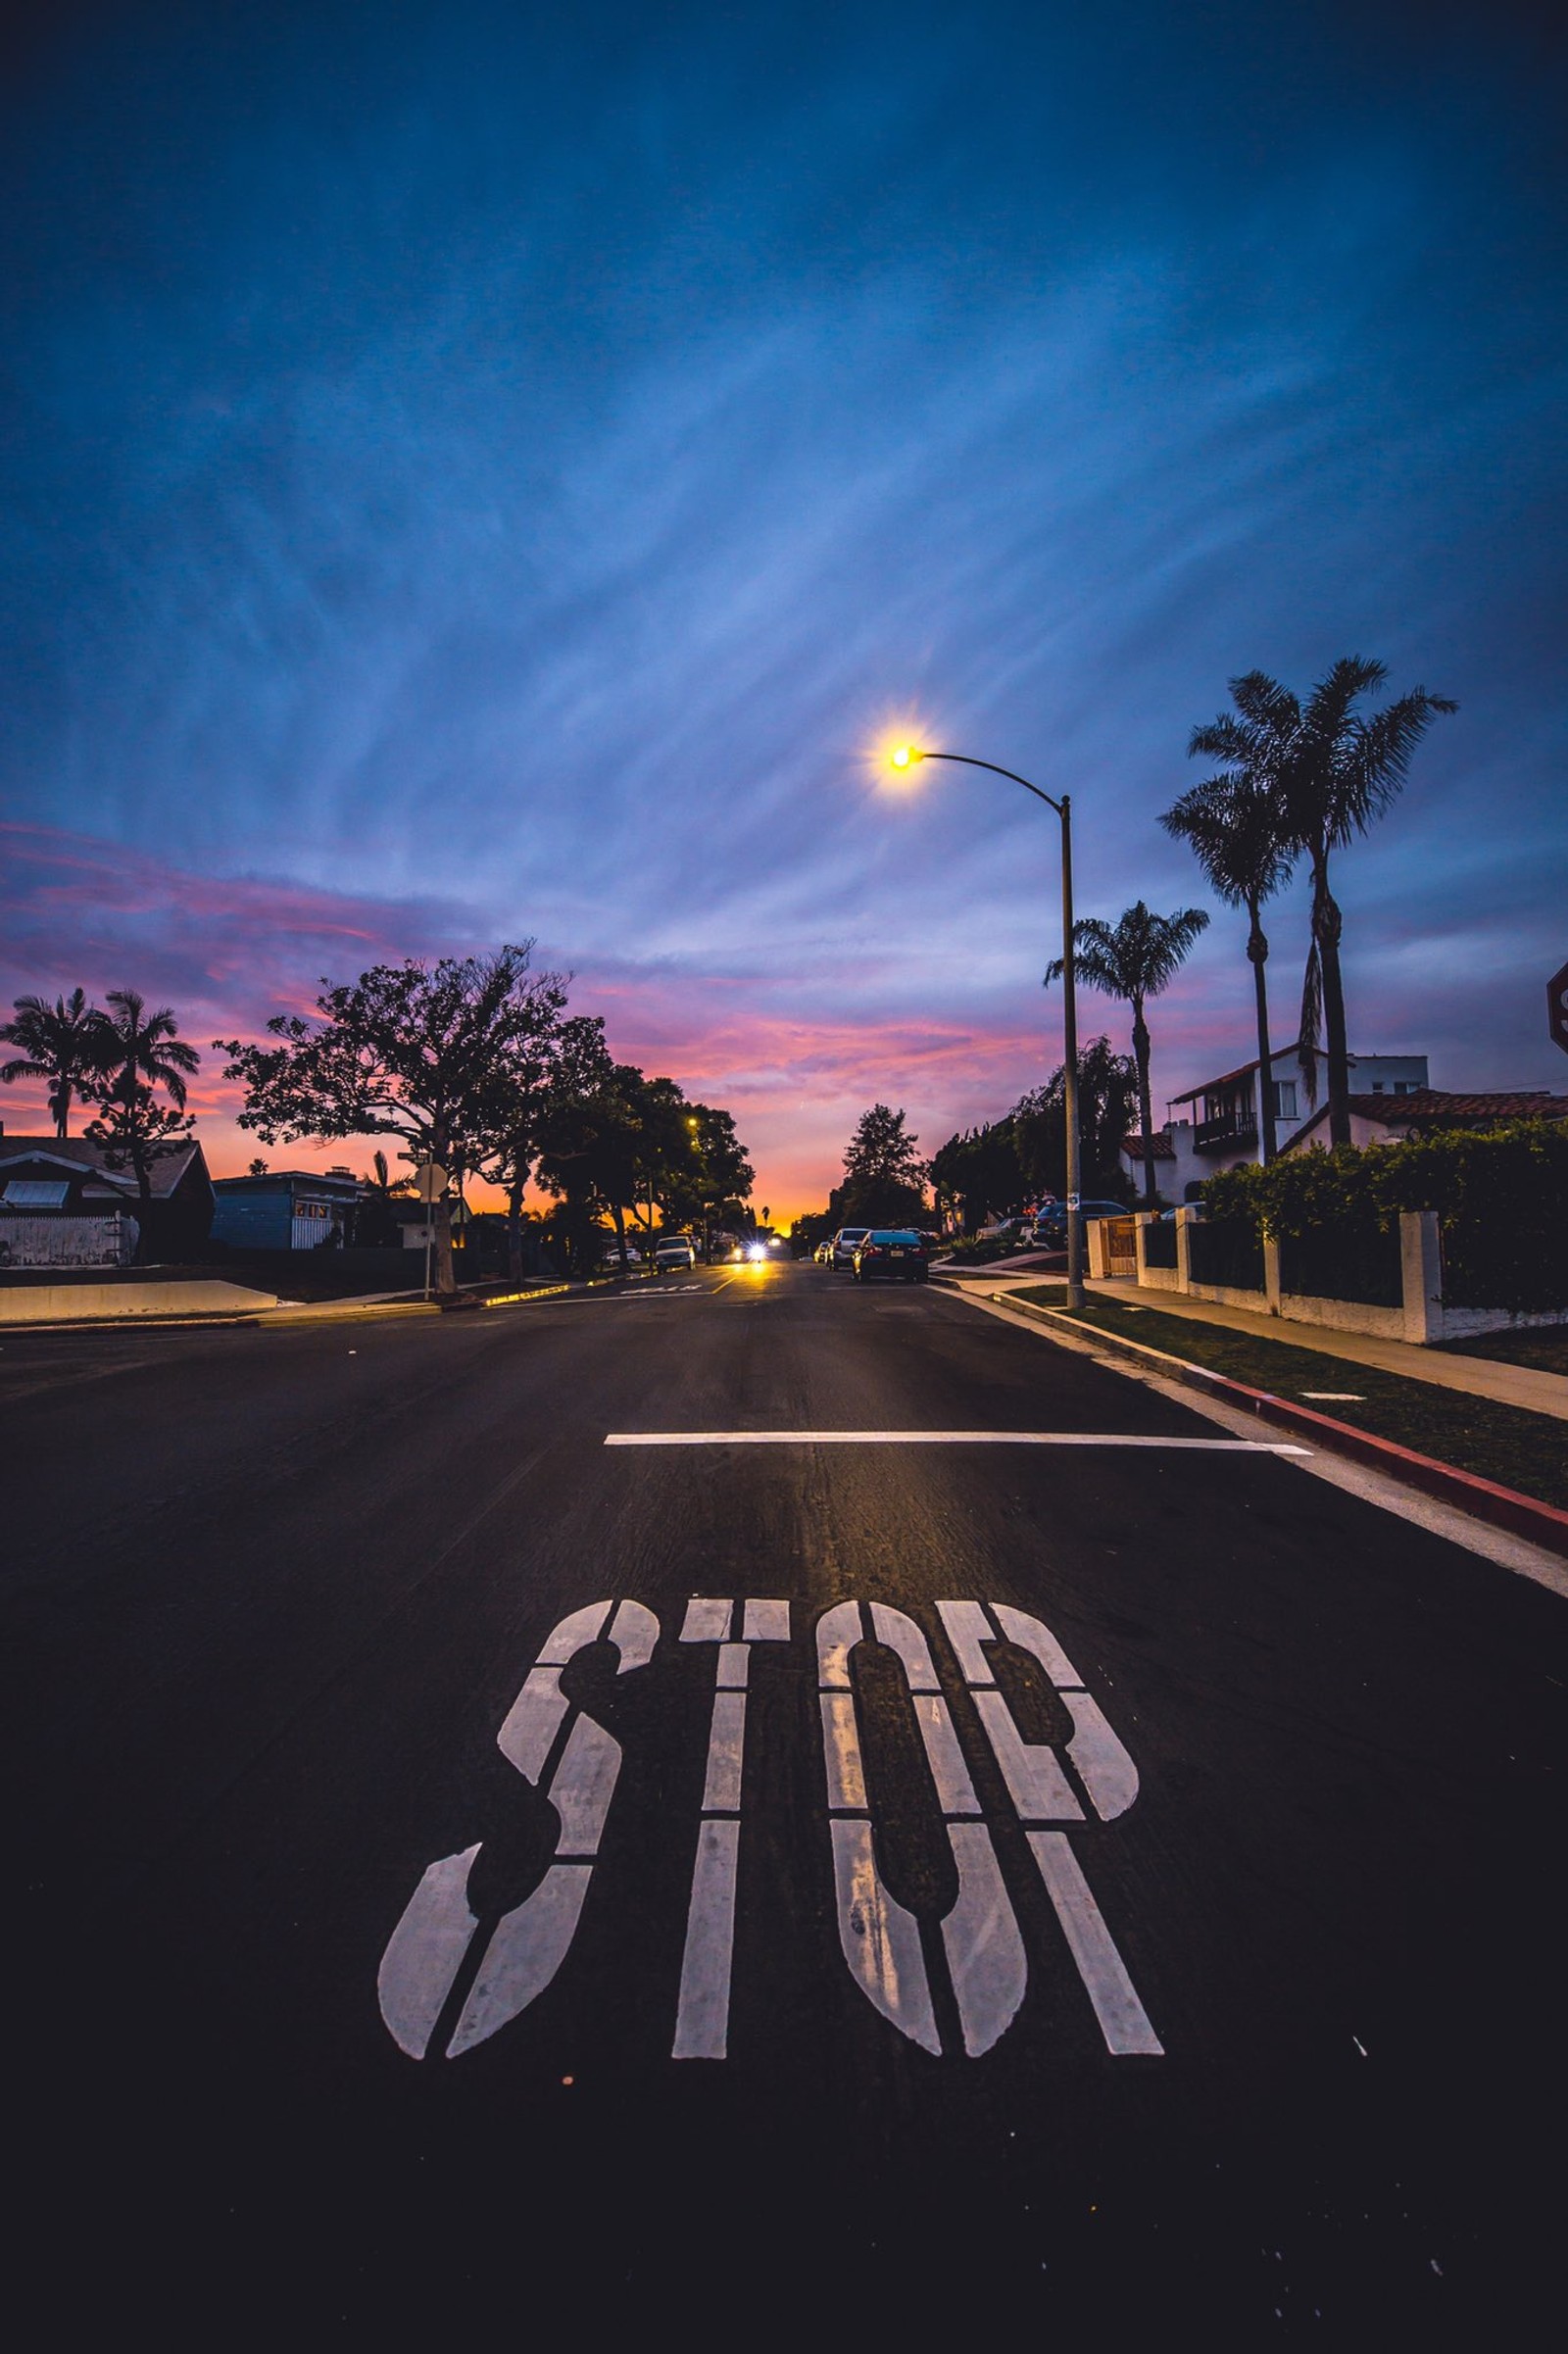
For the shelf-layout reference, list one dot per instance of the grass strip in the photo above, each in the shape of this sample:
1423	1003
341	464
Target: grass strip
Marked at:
1507	1443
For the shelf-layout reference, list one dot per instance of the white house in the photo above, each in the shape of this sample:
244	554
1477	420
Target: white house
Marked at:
1220	1131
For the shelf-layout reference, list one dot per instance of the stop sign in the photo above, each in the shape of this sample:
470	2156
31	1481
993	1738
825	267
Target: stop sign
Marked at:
1557	1007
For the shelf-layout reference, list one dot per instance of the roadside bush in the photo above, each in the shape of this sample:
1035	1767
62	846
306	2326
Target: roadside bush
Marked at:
1500	1195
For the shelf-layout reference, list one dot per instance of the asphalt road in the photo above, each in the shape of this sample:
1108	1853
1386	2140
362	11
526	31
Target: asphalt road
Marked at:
431	1922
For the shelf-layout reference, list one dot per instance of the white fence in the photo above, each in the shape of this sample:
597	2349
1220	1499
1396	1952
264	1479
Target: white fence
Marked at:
109	1240
1420	1316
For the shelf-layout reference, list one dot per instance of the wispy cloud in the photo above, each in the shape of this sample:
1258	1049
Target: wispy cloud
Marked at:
516	512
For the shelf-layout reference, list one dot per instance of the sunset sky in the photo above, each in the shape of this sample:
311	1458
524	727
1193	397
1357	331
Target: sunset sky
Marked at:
490	473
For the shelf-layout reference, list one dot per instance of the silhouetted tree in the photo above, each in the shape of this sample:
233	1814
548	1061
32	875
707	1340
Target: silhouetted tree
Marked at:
63	1043
412	1051
1235	828
1134	959
1335	770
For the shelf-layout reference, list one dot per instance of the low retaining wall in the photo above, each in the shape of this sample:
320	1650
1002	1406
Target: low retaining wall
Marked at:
73	1303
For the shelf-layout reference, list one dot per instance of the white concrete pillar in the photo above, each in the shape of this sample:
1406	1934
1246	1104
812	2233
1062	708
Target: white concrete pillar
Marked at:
1421	1274
1185	1219
1271	1273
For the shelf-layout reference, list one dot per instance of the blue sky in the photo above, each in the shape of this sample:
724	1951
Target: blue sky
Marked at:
478	472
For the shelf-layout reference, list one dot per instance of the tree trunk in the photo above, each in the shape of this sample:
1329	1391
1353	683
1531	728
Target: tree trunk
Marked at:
515	1235
446	1274
1145	1110
618	1215
1326	927
1257	951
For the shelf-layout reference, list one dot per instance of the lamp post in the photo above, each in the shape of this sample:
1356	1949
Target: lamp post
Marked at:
904	757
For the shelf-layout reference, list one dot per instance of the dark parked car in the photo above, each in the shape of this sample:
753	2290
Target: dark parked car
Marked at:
896	1251
1051	1227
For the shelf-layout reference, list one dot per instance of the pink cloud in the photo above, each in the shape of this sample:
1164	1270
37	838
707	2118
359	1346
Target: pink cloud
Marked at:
228	951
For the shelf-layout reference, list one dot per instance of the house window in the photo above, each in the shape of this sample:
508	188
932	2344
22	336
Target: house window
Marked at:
1402	1086
1283	1092
1377	1087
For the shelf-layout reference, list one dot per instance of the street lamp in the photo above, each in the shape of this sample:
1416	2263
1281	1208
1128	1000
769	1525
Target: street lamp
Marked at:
904	757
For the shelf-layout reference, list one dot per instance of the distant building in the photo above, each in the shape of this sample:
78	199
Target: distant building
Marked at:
1221	1132
62	1206
286	1209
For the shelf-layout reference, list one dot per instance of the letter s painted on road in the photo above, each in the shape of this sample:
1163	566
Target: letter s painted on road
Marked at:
528	1945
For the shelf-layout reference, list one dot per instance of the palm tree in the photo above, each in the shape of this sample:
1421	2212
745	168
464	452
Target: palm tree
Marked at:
1134	959
138	1047
1335	769
1235	827
140	1051
63	1043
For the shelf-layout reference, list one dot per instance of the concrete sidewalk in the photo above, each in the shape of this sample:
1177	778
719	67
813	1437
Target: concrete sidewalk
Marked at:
1479	1377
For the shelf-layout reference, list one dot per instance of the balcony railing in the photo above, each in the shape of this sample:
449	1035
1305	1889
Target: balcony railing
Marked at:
1235	1129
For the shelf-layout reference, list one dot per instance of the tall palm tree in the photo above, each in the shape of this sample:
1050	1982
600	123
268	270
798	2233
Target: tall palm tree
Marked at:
1134	959
1336	768
138	1048
140	1051
63	1043
1235	827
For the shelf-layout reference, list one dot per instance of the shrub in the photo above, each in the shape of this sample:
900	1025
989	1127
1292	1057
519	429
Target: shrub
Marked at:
1500	1195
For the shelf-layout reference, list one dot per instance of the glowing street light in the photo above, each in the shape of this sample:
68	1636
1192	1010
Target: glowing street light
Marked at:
904	757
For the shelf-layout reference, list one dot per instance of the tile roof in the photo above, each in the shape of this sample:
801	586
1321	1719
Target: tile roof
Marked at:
1164	1150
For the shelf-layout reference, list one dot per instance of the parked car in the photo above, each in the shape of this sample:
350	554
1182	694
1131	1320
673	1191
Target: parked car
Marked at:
899	1252
844	1244
823	1253
1051	1227
674	1250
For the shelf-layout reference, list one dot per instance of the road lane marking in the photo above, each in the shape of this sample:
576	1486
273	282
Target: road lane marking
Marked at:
708	1619
1123	2021
438	1939
1223	1446
528	1945
425	1952
880	1941
702	2016
1036	1782
1039	1792
701	2022
1107	1771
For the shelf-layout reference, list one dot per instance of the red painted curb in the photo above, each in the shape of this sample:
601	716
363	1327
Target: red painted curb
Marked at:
1543	1524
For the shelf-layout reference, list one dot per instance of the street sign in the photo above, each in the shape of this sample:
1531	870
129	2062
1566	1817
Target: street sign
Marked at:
1557	1007
429	1181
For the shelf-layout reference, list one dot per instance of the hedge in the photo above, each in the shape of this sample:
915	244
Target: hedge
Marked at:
1500	1195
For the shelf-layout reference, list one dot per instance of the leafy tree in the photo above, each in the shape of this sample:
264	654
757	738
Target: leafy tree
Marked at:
884	1176
702	1175
136	1131
514	1107
412	1051
1234	826
978	1173
1107	1100
1335	769
587	1130
63	1043
1134	959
